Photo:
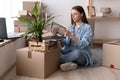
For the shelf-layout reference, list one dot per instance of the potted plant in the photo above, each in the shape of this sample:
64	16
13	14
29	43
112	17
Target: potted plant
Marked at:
36	21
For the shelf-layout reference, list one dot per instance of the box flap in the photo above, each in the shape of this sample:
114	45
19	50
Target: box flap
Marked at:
114	42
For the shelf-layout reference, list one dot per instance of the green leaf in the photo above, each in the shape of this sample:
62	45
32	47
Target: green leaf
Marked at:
35	9
24	19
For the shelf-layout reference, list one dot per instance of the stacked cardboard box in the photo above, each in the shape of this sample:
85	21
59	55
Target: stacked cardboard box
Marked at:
26	12
27	5
19	26
111	54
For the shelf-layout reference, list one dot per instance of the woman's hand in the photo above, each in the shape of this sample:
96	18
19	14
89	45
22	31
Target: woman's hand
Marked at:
67	33
54	31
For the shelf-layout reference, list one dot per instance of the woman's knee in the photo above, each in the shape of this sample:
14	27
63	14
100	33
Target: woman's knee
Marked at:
76	52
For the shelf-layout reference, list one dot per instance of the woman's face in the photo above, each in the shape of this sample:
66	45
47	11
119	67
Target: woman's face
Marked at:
76	16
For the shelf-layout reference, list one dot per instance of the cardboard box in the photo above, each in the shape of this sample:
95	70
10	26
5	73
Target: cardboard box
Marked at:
23	12
40	64
111	54
28	5
20	26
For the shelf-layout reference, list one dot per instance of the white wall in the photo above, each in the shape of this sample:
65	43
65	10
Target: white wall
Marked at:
5	10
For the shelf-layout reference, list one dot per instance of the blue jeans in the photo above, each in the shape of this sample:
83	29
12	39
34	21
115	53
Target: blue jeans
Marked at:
72	55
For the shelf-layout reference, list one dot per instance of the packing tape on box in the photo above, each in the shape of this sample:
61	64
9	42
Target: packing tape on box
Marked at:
42	46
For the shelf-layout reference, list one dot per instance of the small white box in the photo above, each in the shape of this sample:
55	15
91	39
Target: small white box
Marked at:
99	14
102	14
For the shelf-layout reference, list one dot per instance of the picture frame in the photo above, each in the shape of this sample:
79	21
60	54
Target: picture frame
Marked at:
93	11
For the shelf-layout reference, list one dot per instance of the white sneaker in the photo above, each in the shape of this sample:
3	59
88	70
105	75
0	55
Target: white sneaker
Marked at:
68	66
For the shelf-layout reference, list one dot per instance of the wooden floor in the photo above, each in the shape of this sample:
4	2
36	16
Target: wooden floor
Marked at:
88	73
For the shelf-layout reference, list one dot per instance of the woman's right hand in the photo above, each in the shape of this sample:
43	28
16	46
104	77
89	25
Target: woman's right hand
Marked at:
67	33
54	31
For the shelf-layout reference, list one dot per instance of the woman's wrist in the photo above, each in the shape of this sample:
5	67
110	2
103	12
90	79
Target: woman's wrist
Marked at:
73	38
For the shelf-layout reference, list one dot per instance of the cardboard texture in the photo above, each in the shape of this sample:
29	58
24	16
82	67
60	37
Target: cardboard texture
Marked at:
111	54
23	12
28	5
20	26
40	64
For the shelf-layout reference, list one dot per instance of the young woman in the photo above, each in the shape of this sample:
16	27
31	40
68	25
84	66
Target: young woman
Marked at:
75	49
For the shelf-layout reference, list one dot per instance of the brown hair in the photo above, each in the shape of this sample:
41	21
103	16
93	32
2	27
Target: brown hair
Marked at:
80	10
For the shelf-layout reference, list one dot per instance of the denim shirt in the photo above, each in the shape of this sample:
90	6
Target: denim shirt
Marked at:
85	36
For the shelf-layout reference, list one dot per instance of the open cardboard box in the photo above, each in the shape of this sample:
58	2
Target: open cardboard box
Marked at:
40	64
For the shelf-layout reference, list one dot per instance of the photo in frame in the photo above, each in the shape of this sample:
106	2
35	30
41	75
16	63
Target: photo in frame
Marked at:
93	11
